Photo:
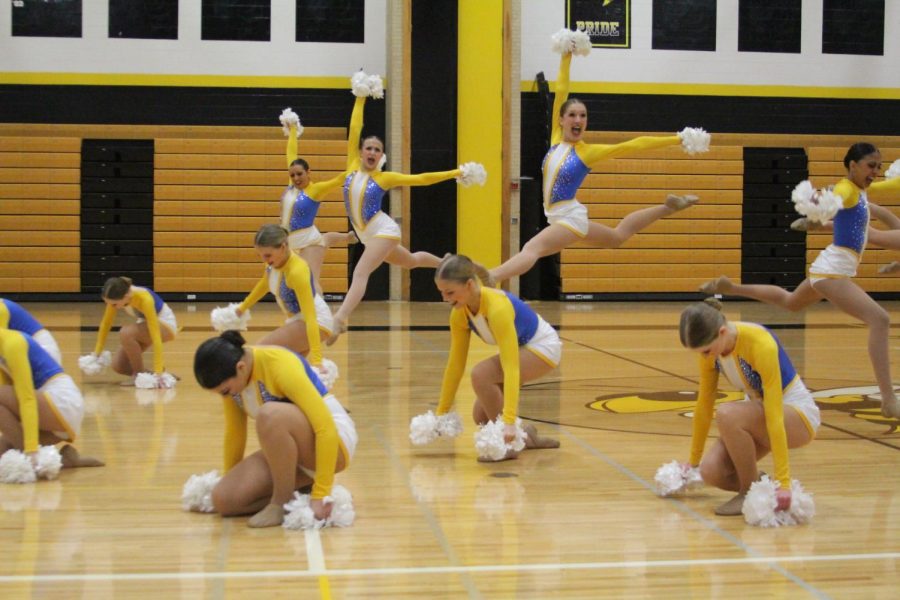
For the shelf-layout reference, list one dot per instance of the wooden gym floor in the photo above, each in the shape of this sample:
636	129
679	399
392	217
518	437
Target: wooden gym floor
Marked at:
580	521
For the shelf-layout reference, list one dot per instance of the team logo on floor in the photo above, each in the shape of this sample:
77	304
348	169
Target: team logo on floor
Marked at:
861	402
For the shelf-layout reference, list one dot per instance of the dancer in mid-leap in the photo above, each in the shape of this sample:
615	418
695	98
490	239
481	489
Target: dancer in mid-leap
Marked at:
300	204
567	163
831	274
364	189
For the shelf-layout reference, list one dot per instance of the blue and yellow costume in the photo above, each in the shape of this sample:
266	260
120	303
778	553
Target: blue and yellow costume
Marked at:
566	165
760	367
13	316
292	285
27	367
299	207
145	304
364	190
280	375
502	320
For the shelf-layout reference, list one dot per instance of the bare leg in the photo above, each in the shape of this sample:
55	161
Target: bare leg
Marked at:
247	488
402	257
799	299
314	257
287	439
731	463
334	238
549	240
851	299
607	237
377	250
13	436
885	239
487	382
134	339
291	336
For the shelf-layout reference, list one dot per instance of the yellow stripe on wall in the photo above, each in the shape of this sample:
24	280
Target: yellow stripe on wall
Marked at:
236	81
712	89
479	128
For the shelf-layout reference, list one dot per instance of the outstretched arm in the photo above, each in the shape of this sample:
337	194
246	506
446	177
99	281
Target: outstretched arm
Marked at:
885	215
591	154
389	179
317	190
456	363
562	94
356	125
291	151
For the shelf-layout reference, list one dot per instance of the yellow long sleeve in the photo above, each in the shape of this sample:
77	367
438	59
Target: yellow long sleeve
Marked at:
256	294
316	190
765	360
235	433
356	125
142	300
15	352
889	188
291	150
298	277
109	314
591	154
703	412
284	376
389	179
460	335
560	97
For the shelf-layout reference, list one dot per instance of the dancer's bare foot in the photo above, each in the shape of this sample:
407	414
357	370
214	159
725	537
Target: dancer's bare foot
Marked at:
534	442
891	408
722	285
271	516
676	202
351	237
893	267
733	507
72	460
339	327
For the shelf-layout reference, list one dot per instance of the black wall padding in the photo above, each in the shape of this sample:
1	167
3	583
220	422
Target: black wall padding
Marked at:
433	139
116	212
771	252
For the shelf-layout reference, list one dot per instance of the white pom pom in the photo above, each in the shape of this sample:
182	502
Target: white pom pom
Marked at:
760	503
149	381
225	318
817	206
566	41
694	140
91	364
893	170
674	478
288	118
16	467
328	373
299	515
472	173
196	495
490	443
49	462
376	86
449	424
359	83
423	429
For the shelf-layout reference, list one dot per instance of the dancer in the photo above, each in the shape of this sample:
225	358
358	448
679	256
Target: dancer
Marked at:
300	204
13	316
529	347
364	189
288	278
831	274
777	412
39	403
567	163
304	433
155	324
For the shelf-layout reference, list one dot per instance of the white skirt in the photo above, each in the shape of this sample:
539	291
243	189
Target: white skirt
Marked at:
67	402
345	427
380	226
571	214
306	237
546	343
324	318
833	262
